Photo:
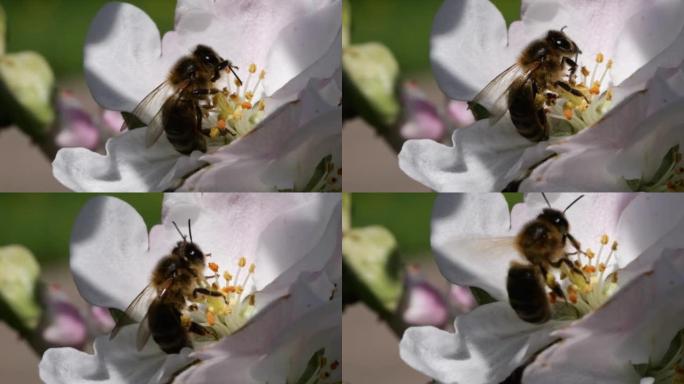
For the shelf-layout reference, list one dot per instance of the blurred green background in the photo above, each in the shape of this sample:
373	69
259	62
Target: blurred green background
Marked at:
406	215
57	28
405	25
42	221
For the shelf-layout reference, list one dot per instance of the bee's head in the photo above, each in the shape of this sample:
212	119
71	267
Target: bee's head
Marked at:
210	60
555	218
192	253
562	43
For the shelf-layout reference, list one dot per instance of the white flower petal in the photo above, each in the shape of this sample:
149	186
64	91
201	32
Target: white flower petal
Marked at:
472	241
481	158
303	43
467	47
490	342
636	326
128	165
122	56
114	361
109	239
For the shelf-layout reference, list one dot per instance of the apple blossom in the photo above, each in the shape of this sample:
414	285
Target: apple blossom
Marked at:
623	45
261	245
623	237
280	49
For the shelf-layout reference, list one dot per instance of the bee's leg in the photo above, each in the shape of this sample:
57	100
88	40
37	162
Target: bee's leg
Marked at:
207	292
568	88
551	282
572	65
570	265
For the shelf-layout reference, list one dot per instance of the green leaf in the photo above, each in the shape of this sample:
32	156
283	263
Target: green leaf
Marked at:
19	293
319	174
3	30
370	254
27	90
346	212
370	83
346	23
312	367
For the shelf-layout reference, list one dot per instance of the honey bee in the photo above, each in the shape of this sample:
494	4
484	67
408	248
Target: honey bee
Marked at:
525	87
176	277
191	81
542	243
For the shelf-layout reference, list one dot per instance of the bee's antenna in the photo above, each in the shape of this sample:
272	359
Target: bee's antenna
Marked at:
545	199
179	231
576	200
190	230
232	69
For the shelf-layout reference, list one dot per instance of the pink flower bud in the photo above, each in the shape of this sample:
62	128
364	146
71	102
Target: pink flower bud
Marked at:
423	304
422	119
65	327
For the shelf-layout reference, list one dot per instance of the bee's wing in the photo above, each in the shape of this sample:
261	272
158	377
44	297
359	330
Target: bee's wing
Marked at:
143	333
150	106
493	95
141	302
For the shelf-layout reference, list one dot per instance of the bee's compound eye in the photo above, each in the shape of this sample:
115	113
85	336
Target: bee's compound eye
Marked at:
563	44
208	59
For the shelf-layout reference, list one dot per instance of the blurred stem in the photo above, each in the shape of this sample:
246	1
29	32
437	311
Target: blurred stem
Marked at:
31	336
354	290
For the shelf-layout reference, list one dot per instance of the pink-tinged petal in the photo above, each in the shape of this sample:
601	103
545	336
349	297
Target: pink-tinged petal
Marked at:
66	326
109	239
127	166
114	361
77	126
467	47
488	344
422	119
122	56
635	326
459	113
461	299
112	120
101	319
423	304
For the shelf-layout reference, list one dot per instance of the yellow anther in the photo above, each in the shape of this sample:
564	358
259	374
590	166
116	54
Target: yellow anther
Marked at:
614	246
590	254
237	83
252	300
246	105
585	71
242	262
609	65
262	74
249	95
239	289
227	276
599	57
214	132
214	267
589	269
252	267
604	239
262	105
609	95
211	319
602	267
234	96
595	88
252	68
568	110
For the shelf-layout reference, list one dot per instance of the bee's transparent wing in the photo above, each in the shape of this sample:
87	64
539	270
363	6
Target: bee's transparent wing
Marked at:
493	95
143	333
139	304
150	106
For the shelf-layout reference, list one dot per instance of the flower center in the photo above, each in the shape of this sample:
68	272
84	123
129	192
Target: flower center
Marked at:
229	304
585	103
588	284
669	177
319	369
670	370
238	108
